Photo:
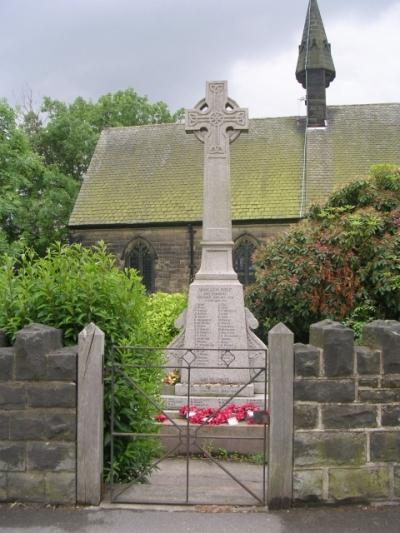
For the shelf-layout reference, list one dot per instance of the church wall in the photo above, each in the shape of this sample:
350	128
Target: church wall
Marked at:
261	232
171	247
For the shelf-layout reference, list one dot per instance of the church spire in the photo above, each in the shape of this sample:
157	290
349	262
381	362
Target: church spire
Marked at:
315	69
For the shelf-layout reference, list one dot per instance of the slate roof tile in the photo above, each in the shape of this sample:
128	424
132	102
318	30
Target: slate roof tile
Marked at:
154	174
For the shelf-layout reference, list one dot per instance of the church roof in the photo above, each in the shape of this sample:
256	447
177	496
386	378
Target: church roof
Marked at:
314	50
154	174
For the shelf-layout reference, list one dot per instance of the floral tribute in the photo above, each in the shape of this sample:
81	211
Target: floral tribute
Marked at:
232	414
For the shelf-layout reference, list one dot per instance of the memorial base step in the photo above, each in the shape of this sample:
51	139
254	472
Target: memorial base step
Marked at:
242	438
214	389
174	403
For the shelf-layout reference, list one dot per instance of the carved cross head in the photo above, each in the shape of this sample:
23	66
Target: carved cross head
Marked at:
217	120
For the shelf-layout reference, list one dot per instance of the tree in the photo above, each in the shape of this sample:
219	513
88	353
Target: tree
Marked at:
43	156
35	199
70	132
342	263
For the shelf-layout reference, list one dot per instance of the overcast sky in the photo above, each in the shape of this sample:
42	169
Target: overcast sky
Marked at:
166	49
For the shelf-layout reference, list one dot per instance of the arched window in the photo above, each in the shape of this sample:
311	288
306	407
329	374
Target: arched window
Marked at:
140	256
242	259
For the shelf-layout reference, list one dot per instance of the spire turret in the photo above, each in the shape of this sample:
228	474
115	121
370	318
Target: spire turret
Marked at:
315	69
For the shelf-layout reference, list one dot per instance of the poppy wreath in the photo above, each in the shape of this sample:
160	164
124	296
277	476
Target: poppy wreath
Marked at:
230	414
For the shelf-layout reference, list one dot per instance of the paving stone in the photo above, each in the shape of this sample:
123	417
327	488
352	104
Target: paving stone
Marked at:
385	446
12	456
324	391
326	448
349	416
359	484
307	485
61	488
305	416
306	360
54	456
26	487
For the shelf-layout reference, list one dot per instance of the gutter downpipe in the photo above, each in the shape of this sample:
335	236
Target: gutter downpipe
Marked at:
191	253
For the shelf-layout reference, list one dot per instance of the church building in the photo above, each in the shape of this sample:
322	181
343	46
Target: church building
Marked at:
142	193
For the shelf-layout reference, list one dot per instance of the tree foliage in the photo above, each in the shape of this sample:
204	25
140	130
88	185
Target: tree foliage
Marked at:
44	154
342	263
68	134
35	199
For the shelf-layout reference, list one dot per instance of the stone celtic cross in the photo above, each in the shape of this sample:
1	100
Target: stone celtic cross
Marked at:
216	120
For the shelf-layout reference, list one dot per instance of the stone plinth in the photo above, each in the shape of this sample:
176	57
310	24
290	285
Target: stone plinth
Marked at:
223	353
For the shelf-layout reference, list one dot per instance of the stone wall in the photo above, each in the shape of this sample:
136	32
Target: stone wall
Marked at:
347	414
38	418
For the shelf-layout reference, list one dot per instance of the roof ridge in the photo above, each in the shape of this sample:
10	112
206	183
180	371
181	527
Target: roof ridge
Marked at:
142	126
279	117
365	104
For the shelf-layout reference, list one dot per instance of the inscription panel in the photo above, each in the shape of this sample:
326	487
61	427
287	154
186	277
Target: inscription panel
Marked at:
217	319
216	323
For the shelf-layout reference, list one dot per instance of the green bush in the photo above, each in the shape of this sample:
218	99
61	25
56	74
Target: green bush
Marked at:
70	287
342	263
142	369
162	310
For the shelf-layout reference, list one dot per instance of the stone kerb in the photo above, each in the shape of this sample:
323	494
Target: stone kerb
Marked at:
347	414
38	417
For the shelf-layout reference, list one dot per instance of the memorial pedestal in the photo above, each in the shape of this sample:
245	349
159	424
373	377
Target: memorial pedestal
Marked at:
217	343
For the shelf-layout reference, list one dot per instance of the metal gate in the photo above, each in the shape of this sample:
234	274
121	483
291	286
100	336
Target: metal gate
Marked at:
194	458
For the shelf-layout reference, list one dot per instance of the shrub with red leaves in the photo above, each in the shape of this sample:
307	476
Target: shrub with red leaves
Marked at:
342	263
